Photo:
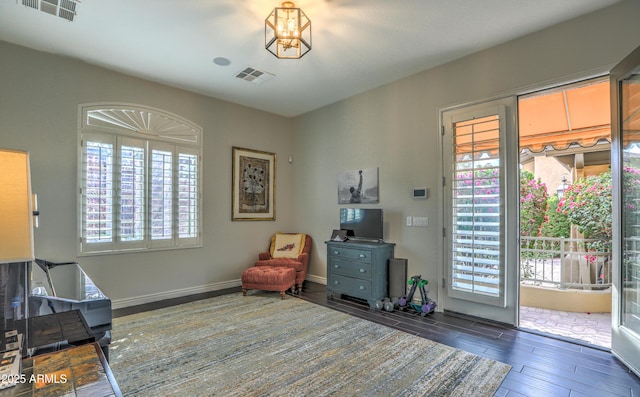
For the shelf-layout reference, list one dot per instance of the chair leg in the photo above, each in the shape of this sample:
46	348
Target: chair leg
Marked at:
244	292
281	294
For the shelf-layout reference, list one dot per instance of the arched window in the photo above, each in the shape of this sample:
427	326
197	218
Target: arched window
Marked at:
139	178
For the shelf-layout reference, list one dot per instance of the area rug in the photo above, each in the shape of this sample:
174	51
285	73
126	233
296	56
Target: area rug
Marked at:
260	345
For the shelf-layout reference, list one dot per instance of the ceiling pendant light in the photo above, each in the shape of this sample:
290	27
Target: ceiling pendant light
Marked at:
287	32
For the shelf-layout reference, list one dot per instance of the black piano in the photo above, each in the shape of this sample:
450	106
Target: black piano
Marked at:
65	287
46	308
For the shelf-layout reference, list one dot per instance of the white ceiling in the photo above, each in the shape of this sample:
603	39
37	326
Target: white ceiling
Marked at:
357	44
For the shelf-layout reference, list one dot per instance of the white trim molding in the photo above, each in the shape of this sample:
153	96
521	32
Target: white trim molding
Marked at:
178	293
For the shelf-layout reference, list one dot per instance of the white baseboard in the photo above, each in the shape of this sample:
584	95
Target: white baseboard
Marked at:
317	279
178	293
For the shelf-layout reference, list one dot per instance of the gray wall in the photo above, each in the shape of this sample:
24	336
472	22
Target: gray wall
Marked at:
396	127
39	98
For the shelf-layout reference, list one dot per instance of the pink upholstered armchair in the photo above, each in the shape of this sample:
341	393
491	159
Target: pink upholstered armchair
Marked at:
284	253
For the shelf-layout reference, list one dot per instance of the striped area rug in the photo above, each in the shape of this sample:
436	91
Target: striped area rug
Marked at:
260	345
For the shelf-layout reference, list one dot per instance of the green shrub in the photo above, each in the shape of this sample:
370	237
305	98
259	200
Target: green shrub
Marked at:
557	224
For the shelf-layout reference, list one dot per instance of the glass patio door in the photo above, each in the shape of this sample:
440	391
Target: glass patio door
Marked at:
625	117
481	274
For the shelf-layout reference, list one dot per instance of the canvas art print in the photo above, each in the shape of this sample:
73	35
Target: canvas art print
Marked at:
253	185
358	187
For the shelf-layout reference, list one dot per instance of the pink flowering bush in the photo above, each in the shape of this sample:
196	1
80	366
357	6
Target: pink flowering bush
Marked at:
556	224
533	204
587	204
631	188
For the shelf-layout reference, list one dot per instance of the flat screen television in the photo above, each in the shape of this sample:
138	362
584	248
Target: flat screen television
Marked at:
362	223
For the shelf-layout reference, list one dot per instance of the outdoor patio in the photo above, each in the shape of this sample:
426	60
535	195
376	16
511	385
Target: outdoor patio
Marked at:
590	328
554	266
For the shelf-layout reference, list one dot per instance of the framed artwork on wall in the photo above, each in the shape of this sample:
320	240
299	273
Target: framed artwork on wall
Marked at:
253	190
358	187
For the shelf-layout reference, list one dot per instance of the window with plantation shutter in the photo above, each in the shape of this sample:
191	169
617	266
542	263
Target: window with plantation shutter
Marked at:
188	195
98	204
161	194
139	180
132	192
477	203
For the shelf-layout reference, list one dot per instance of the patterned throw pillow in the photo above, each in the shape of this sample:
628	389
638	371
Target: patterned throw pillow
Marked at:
287	245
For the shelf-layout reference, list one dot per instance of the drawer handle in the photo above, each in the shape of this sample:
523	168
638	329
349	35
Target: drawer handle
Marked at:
336	252
362	271
362	287
363	256
336	266
336	282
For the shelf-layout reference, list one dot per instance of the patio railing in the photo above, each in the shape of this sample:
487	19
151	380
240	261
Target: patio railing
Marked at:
564	263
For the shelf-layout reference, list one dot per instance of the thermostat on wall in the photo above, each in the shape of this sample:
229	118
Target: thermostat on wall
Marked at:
420	192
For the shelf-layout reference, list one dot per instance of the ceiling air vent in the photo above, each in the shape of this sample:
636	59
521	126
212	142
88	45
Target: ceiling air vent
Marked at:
254	75
65	9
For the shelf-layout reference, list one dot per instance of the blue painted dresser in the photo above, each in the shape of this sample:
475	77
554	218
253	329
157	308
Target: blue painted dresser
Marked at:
358	269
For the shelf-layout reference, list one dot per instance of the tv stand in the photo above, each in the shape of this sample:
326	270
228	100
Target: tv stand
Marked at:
358	269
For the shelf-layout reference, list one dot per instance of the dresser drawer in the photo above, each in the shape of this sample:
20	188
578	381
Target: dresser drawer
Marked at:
350	253
351	268
350	286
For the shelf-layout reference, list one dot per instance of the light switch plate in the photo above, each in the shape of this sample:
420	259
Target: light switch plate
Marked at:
420	221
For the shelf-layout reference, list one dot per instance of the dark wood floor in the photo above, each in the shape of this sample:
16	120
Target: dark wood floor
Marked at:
541	366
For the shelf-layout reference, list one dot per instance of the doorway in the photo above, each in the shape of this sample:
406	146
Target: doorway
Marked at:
475	260
481	191
566	212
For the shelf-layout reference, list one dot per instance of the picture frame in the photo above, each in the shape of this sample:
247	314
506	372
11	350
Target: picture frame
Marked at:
253	189
358	187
